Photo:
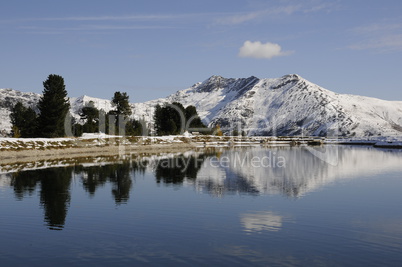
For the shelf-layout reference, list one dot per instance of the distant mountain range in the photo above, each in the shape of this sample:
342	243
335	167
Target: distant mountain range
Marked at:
289	105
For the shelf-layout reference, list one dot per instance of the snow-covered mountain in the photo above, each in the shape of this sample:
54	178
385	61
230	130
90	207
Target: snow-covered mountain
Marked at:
8	98
289	105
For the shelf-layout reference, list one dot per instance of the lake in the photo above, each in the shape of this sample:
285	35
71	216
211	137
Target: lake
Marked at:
278	206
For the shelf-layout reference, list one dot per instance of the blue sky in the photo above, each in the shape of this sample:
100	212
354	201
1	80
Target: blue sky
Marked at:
151	48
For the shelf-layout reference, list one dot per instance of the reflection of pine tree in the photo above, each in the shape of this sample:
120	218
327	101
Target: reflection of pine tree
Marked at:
55	195
120	177
174	171
24	183
118	174
94	177
55	186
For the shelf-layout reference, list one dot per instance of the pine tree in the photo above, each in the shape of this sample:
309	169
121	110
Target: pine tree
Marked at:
121	113
158	120
121	103
31	123
53	107
192	118
23	120
174	118
134	128
17	119
90	114
177	114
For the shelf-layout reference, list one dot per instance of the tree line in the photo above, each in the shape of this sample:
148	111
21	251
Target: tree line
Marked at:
53	118
172	119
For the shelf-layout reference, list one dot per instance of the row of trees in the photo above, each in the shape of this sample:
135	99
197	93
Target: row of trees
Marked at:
174	119
116	121
53	109
53	113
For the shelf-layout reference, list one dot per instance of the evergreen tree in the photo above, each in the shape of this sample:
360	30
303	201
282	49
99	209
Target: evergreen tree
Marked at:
17	119
53	107
31	125
177	114
119	116
23	120
121	103
90	114
158	120
134	128
174	118
192	118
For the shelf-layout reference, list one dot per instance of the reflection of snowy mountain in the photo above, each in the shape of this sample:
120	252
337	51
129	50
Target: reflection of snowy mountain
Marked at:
239	171
5	180
291	171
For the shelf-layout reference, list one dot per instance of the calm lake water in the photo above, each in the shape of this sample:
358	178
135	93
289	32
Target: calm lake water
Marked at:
337	206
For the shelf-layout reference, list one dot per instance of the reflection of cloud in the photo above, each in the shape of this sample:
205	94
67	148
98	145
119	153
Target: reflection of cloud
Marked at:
262	221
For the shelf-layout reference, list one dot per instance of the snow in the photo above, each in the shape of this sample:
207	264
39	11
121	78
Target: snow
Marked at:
289	105
10	97
301	176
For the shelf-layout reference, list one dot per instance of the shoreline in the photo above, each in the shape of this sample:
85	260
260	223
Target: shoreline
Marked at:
14	150
31	155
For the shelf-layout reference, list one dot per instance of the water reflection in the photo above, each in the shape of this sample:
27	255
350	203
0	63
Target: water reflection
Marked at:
118	174
261	221
291	172
55	195
174	170
54	186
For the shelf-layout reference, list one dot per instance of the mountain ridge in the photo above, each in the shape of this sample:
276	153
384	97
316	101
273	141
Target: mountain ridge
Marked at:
289	105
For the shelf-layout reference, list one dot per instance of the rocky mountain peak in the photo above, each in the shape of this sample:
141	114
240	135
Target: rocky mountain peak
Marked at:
289	105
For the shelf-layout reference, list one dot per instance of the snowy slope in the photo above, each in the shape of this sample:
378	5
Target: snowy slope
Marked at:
289	105
10	97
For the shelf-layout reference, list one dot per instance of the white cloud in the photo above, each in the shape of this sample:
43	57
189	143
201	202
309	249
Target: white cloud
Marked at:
260	50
